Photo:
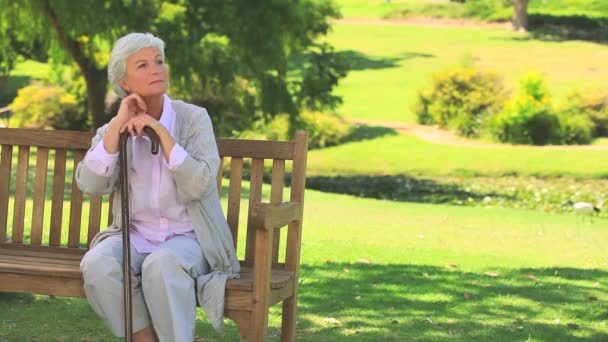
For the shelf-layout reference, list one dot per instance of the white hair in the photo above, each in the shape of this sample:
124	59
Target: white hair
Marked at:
122	50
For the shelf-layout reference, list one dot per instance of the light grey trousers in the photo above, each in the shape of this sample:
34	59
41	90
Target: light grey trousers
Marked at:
163	286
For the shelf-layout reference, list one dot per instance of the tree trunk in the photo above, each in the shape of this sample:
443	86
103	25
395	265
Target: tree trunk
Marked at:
97	83
95	78
520	15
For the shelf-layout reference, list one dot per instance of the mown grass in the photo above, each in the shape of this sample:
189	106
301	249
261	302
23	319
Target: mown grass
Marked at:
403	154
379	270
391	63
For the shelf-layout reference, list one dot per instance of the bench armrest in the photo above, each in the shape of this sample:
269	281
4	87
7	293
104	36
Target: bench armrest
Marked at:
267	216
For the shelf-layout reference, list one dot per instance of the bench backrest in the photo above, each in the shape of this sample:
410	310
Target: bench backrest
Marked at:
30	187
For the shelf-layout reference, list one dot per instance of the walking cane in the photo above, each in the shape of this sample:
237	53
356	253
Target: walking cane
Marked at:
126	250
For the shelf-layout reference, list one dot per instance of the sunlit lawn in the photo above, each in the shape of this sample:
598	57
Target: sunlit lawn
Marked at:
391	63
398	154
388	271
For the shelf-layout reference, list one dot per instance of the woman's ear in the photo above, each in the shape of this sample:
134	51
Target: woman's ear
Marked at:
124	86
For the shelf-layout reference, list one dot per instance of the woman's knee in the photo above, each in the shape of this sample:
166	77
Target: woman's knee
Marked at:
98	263
158	263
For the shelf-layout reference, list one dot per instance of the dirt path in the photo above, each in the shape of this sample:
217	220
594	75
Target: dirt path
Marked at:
439	136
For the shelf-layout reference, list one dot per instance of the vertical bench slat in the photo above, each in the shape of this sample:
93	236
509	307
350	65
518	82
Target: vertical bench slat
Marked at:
234	196
110	207
57	201
220	175
39	195
94	217
255	196
5	185
276	197
20	193
76	204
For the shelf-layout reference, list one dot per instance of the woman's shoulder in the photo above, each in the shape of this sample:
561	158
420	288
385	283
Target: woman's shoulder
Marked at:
188	110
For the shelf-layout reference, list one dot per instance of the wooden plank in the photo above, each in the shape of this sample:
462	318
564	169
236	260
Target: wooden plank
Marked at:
255	196
75	205
276	197
94	218
39	195
234	197
57	200
41	284
46	138
220	175
262	271
20	193
294	235
41	251
256	149
5	185
30	260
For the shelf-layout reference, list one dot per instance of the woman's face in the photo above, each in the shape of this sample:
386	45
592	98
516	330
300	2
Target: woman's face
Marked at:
146	73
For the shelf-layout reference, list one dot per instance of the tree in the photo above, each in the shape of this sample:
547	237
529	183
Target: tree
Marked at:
214	48
520	15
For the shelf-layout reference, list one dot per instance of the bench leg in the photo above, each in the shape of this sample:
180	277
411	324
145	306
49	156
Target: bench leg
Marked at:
288	326
262	270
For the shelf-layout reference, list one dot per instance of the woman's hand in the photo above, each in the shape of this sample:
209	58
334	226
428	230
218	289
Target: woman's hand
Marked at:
130	107
135	125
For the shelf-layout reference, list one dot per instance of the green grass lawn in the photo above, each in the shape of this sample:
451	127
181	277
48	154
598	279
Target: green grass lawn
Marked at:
400	154
388	271
391	63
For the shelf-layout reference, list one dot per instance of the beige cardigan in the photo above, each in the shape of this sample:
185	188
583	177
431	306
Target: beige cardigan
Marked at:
196	189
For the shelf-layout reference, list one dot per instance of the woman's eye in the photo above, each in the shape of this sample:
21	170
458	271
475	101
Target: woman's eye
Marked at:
160	62
141	65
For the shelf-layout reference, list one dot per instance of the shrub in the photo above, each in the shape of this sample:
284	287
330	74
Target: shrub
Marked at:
575	129
591	104
528	118
47	106
323	129
460	98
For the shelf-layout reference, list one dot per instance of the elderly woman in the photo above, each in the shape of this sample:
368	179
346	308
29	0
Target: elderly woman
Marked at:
181	246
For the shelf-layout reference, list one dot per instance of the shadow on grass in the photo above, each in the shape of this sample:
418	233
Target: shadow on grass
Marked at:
368	302
360	61
365	132
409	302
396	188
556	28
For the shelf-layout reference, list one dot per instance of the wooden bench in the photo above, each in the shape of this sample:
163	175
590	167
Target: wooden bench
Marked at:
40	251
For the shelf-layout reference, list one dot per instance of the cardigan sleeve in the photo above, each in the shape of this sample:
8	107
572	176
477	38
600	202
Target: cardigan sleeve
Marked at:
196	176
88	180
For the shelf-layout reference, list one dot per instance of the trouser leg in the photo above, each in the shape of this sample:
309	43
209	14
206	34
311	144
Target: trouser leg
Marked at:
101	267
169	287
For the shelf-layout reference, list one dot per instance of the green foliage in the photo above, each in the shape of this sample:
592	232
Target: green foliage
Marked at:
528	118
47	106
321	74
460	98
575	129
212	47
323	129
590	104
